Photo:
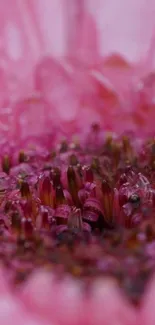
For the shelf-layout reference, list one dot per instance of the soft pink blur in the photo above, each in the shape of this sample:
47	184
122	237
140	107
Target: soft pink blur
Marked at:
57	51
43	27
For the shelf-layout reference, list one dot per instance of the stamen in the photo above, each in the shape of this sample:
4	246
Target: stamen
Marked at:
6	164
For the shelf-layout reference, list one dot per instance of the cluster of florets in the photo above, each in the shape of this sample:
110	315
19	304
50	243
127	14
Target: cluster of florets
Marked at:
85	209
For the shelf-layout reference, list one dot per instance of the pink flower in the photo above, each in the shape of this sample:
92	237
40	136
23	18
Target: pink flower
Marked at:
77	203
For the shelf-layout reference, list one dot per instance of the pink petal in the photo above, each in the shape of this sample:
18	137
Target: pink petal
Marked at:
60	302
109	306
147	315
31	114
56	84
10	310
37	293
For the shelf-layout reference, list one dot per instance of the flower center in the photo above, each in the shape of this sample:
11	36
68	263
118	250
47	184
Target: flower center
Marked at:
87	210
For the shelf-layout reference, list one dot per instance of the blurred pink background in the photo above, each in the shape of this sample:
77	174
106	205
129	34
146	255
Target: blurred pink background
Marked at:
31	28
79	33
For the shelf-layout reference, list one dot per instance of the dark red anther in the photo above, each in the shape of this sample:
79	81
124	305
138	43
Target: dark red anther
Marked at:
45	191
6	164
63	146
73	161
71	175
25	190
73	185
108	143
107	201
95	165
55	175
16	223
125	143
127	148
22	157
59	196
116	151
94	137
